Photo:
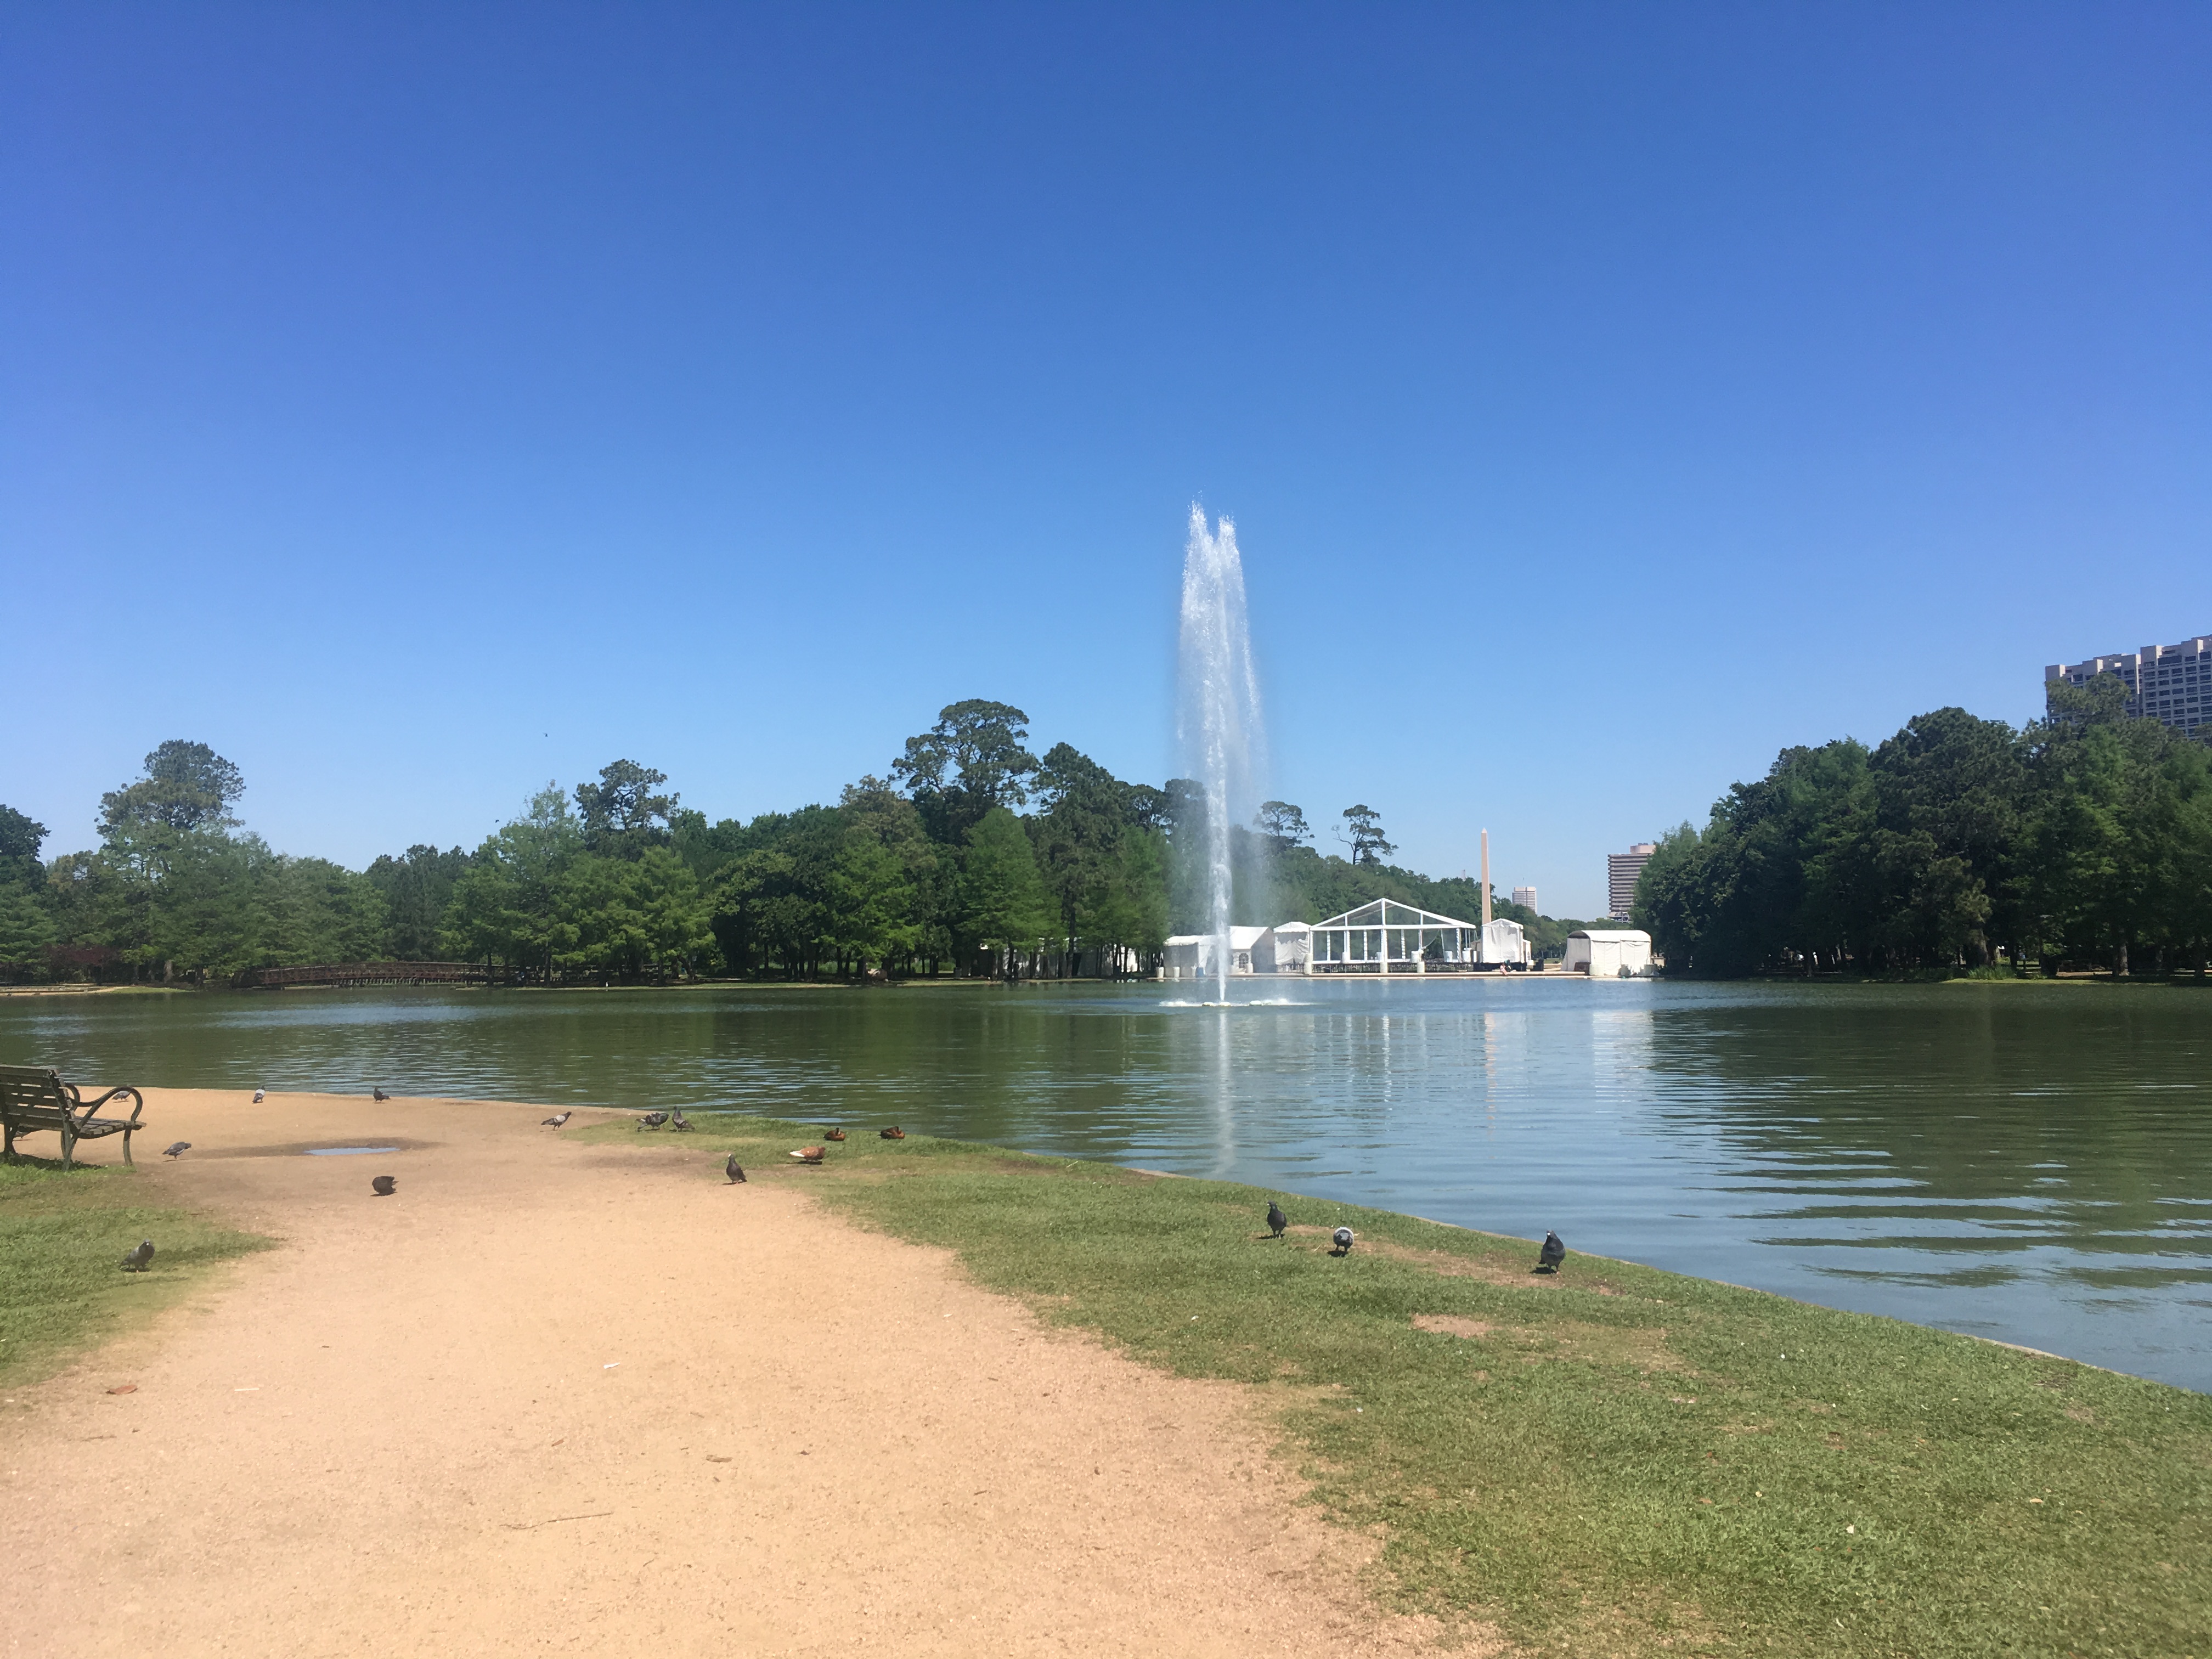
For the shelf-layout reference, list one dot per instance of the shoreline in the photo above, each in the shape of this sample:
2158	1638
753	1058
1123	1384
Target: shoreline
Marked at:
1613	1456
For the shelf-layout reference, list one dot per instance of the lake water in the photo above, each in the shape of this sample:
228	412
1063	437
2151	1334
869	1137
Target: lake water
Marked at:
2028	1162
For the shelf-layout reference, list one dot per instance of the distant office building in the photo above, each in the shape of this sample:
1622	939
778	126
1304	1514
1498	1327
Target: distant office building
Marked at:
2169	683
1526	897
1621	870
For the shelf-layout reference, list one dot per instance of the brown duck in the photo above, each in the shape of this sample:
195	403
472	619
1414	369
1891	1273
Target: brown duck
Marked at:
833	1135
892	1133
807	1155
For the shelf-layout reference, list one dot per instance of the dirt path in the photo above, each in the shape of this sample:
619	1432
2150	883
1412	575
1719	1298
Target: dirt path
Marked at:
554	1399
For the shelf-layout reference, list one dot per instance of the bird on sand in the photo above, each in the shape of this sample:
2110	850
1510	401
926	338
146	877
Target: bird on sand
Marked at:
892	1133
558	1120
260	1095
680	1122
833	1135
378	1094
135	1261
176	1148
1343	1236
385	1186
653	1120
733	1169
1553	1254
1276	1220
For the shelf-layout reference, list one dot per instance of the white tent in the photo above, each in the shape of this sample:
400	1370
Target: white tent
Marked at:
1386	937
1504	945
1190	956
1608	953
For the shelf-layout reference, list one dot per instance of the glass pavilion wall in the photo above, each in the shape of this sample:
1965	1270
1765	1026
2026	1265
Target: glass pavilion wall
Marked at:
1387	936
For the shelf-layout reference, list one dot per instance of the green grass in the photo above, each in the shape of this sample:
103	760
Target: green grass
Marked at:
62	1240
1622	1459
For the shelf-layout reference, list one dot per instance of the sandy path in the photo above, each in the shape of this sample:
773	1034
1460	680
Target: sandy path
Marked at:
554	1398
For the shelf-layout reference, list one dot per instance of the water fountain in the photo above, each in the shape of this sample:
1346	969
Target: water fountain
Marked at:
1219	719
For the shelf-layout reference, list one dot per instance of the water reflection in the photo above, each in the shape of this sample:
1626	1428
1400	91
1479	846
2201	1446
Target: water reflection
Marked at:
2027	1162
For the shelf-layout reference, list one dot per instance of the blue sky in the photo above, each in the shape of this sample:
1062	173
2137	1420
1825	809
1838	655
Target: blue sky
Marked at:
420	404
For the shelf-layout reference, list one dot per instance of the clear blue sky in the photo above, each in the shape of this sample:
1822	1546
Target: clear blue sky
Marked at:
417	403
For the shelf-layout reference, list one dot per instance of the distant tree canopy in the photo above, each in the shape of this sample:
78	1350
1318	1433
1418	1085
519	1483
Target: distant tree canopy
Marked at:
2086	836
974	856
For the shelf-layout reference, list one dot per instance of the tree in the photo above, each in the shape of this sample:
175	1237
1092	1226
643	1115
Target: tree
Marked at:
418	889
187	787
1366	841
25	931
621	815
972	759
1283	824
508	904
21	837
1003	903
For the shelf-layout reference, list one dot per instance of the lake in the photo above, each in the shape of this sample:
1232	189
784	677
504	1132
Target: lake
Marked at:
2031	1161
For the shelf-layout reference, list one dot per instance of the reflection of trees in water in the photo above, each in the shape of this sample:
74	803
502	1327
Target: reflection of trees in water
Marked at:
1978	1123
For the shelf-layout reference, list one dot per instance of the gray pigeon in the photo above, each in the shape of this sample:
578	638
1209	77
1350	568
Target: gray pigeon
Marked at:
378	1094
1343	1236
260	1095
731	1169
1553	1254
680	1122
135	1261
653	1120
1276	1220
558	1119
384	1185
177	1148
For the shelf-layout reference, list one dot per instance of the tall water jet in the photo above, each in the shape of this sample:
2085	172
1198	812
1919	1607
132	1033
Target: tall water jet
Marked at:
1218	715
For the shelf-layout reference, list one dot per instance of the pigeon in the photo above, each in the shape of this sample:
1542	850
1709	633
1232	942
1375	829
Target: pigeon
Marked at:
558	1120
135	1261
378	1094
177	1149
1553	1254
731	1170
680	1122
833	1135
260	1095
892	1133
384	1185
1276	1220
1343	1236
653	1120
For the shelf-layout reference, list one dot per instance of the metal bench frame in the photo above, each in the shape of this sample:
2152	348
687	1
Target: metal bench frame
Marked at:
34	1100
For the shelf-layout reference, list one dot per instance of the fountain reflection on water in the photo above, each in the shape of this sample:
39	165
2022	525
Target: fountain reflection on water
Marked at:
1219	712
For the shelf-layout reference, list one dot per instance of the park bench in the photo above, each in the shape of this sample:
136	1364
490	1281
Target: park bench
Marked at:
34	1099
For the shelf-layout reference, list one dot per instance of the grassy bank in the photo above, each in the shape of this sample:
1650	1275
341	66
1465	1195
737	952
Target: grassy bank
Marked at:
1615	1460
62	1241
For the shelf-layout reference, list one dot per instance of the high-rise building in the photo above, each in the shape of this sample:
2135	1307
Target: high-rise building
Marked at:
1621	870
2169	683
1526	898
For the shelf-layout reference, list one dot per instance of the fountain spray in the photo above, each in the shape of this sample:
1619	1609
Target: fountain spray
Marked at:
1218	720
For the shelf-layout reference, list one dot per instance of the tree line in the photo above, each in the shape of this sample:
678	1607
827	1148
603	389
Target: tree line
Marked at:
2084	838
973	856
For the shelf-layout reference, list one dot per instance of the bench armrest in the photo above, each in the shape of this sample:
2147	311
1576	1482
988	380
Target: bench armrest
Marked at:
86	1109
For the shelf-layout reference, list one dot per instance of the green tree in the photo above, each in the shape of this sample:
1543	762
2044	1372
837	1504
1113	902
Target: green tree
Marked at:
1283	824
622	815
21	837
187	787
1366	840
972	759
509	905
26	933
417	888
315	911
1004	907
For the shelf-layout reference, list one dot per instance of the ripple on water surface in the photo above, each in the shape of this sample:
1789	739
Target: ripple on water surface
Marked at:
2028	1162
